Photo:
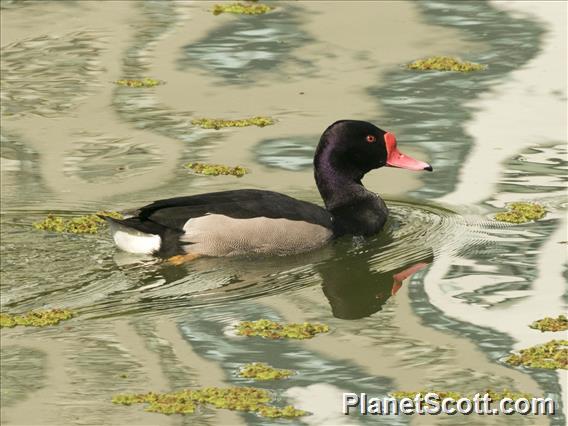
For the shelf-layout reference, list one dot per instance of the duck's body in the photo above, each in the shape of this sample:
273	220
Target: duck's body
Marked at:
249	221
228	223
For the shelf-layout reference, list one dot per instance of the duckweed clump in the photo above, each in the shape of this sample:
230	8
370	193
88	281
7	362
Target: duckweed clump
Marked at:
493	394
217	123
88	224
287	411
551	324
506	393
137	83
444	63
216	169
186	401
521	212
241	9
36	318
551	355
262	371
273	330
411	395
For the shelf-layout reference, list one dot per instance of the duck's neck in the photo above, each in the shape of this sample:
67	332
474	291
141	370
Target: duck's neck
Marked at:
355	210
338	189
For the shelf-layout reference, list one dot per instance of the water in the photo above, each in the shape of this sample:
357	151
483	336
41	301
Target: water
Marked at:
73	143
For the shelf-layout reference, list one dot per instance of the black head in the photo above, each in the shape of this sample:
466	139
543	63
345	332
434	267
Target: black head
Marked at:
353	148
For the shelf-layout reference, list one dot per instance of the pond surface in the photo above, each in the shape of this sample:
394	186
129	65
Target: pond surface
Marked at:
74	143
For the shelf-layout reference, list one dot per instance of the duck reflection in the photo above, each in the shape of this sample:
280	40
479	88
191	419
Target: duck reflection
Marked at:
356	291
355	282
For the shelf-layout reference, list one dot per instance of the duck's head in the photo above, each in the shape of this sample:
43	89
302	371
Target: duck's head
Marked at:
352	148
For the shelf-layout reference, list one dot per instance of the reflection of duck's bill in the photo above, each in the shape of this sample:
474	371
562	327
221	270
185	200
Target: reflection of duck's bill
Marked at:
402	275
395	158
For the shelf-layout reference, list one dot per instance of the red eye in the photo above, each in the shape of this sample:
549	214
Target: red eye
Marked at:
371	138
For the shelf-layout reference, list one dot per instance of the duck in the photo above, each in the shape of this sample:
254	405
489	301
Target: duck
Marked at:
252	221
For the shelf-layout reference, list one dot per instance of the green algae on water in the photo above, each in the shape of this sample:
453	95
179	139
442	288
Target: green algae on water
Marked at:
493	394
551	324
521	212
186	401
444	63
216	169
218	123
88	224
137	83
412	395
241	9
551	355
287	411
506	393
42	318
273	330
262	371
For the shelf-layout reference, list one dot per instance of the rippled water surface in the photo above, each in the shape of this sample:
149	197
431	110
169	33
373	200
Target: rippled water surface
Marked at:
436	300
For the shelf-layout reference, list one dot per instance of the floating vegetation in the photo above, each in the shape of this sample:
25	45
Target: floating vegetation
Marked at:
288	411
216	169
552	355
521	213
444	63
506	393
241	9
493	394
186	401
262	371
88	224
551	324
273	330
217	123
36	318
146	82
411	395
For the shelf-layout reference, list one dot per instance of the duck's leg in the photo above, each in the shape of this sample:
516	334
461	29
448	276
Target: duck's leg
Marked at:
182	258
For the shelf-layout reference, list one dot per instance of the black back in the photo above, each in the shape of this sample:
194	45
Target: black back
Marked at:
239	204
166	218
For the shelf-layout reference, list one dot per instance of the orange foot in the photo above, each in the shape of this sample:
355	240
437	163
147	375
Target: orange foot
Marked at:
180	259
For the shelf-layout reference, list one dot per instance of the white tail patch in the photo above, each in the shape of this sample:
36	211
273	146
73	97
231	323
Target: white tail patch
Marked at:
133	241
